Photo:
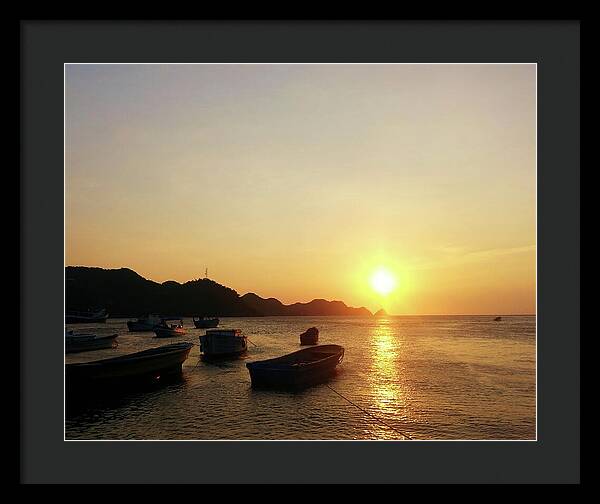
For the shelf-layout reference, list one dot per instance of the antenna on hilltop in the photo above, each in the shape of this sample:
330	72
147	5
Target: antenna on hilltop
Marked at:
206	273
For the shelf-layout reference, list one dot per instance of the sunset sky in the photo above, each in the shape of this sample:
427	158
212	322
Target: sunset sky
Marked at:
302	181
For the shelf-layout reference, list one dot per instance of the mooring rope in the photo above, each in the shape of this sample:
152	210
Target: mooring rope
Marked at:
346	399
370	414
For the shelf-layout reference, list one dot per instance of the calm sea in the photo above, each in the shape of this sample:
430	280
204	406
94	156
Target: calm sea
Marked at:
431	377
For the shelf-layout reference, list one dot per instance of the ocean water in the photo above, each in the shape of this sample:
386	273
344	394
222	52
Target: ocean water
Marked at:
429	377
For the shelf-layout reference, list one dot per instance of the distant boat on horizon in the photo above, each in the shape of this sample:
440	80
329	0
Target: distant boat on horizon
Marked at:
497	319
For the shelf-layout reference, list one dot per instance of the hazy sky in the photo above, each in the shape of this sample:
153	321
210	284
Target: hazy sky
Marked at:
299	181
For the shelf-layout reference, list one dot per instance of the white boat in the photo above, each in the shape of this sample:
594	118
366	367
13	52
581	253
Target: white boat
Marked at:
144	324
86	342
223	343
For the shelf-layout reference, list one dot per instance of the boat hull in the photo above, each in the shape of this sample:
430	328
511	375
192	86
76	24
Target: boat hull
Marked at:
75	345
149	364
206	324
290	380
162	332
140	326
293	371
221	346
223	356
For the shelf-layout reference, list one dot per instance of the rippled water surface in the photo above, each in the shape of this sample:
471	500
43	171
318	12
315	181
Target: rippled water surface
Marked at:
431	377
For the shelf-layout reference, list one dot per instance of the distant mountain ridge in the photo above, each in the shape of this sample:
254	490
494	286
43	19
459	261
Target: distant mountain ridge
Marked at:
125	293
316	307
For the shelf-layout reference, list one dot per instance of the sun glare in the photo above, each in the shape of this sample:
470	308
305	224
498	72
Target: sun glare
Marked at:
383	281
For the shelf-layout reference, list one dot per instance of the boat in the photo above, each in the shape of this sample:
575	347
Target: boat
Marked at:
297	370
86	317
497	319
166	330
144	324
219	343
310	336
148	364
205	322
86	342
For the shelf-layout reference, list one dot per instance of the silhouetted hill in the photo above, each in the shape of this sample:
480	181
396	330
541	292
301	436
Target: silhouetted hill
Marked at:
267	307
124	293
318	307
380	313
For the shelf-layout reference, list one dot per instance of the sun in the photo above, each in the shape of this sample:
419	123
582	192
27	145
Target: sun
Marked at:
383	281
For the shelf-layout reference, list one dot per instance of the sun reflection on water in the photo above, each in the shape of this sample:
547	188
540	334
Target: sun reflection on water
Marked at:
386	356
385	376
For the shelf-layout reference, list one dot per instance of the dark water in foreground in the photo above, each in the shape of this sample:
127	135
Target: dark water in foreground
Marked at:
432	377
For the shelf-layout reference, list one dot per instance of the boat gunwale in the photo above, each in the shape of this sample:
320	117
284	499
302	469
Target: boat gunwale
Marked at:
144	354
225	333
273	365
89	337
168	332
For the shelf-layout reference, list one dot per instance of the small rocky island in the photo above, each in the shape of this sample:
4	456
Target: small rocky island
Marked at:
380	313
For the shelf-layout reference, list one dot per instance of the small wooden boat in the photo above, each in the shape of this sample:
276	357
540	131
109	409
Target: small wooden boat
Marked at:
86	317
297	370
87	342
144	324
148	364
166	330
205	322
220	343
497	319
310	336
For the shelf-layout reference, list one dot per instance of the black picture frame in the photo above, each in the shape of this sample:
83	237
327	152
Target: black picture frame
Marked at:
44	455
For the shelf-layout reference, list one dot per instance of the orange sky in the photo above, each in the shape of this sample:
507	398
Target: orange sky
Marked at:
299	181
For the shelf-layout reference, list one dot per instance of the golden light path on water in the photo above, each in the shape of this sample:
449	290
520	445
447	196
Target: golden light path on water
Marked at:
385	379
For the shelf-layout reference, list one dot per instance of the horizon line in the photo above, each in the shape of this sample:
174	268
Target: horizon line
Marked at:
319	298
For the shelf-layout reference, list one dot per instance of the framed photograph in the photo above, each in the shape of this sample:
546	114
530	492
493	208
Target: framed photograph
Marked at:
331	243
